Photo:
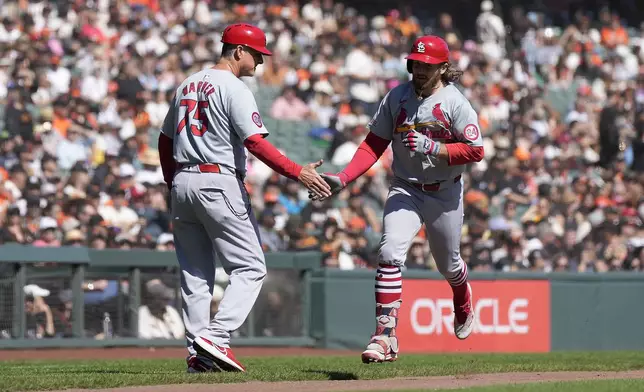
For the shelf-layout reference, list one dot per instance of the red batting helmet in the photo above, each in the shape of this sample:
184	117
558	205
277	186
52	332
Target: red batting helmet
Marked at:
428	49
248	35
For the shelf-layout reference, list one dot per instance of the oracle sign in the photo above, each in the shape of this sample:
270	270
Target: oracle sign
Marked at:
442	316
510	316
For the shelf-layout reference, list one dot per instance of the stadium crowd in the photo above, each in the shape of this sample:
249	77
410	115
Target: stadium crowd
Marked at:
85	86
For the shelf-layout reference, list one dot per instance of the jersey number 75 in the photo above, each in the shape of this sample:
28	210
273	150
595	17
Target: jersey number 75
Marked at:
198	108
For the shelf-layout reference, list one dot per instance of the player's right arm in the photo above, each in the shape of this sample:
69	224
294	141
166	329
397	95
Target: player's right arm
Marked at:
249	127
166	154
374	145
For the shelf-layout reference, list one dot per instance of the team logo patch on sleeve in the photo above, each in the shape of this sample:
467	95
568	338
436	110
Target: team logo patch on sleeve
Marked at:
257	119
471	132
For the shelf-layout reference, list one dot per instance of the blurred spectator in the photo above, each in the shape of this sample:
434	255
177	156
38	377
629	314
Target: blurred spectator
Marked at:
62	313
560	97
289	107
48	233
271	240
39	320
157	319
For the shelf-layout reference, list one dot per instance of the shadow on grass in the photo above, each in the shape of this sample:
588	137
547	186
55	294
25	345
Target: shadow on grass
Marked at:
335	376
104	371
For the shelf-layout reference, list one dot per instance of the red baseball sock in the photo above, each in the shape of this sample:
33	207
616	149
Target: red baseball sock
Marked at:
388	284
388	293
459	284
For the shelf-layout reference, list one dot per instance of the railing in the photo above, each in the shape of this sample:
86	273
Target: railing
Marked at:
302	304
69	267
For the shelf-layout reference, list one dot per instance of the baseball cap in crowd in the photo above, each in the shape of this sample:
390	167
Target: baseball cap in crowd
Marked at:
159	290
126	170
47	222
47	189
165	238
35	291
74	235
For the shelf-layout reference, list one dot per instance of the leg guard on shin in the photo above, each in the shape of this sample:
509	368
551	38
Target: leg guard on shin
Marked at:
383	346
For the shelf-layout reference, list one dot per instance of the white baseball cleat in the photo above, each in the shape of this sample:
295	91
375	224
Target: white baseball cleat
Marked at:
382	348
222	357
464	316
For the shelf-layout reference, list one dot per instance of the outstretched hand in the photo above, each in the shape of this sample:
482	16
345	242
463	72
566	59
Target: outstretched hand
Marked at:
335	183
310	178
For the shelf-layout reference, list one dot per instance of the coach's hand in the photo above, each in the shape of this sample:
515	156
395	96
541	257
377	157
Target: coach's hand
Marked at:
313	182
416	141
334	181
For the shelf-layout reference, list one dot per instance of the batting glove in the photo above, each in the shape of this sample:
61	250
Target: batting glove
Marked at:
335	182
416	141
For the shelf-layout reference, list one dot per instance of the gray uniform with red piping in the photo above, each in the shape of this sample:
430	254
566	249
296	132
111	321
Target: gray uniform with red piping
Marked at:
445	117
212	116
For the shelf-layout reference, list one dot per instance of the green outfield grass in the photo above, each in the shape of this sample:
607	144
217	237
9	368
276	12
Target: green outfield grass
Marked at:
571	386
48	375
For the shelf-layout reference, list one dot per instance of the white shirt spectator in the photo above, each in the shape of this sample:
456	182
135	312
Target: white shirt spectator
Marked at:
360	64
312	11
9	36
42	96
94	88
157	112
150	327
121	217
154	44
491	32
153	177
323	112
495	112
577	116
59	79
344	153
490	28
69	152
202	14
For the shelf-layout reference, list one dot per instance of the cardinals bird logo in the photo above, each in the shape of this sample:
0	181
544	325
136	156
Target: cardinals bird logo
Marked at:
440	117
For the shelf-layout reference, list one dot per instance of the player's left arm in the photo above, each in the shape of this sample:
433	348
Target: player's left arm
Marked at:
469	145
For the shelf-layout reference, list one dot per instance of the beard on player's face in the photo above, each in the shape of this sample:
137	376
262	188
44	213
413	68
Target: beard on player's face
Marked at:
424	75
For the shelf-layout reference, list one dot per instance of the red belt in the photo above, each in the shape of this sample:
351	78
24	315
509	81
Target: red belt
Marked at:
209	168
432	187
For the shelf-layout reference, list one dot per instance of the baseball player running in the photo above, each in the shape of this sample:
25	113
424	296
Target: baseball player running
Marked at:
212	118
435	133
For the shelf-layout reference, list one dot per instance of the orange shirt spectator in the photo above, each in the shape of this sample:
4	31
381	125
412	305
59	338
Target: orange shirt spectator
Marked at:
614	35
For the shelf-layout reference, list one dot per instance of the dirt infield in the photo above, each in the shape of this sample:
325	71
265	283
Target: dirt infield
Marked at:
446	382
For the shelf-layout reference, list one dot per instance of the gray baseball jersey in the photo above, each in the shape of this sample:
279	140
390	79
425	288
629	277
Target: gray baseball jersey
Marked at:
445	116
211	115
